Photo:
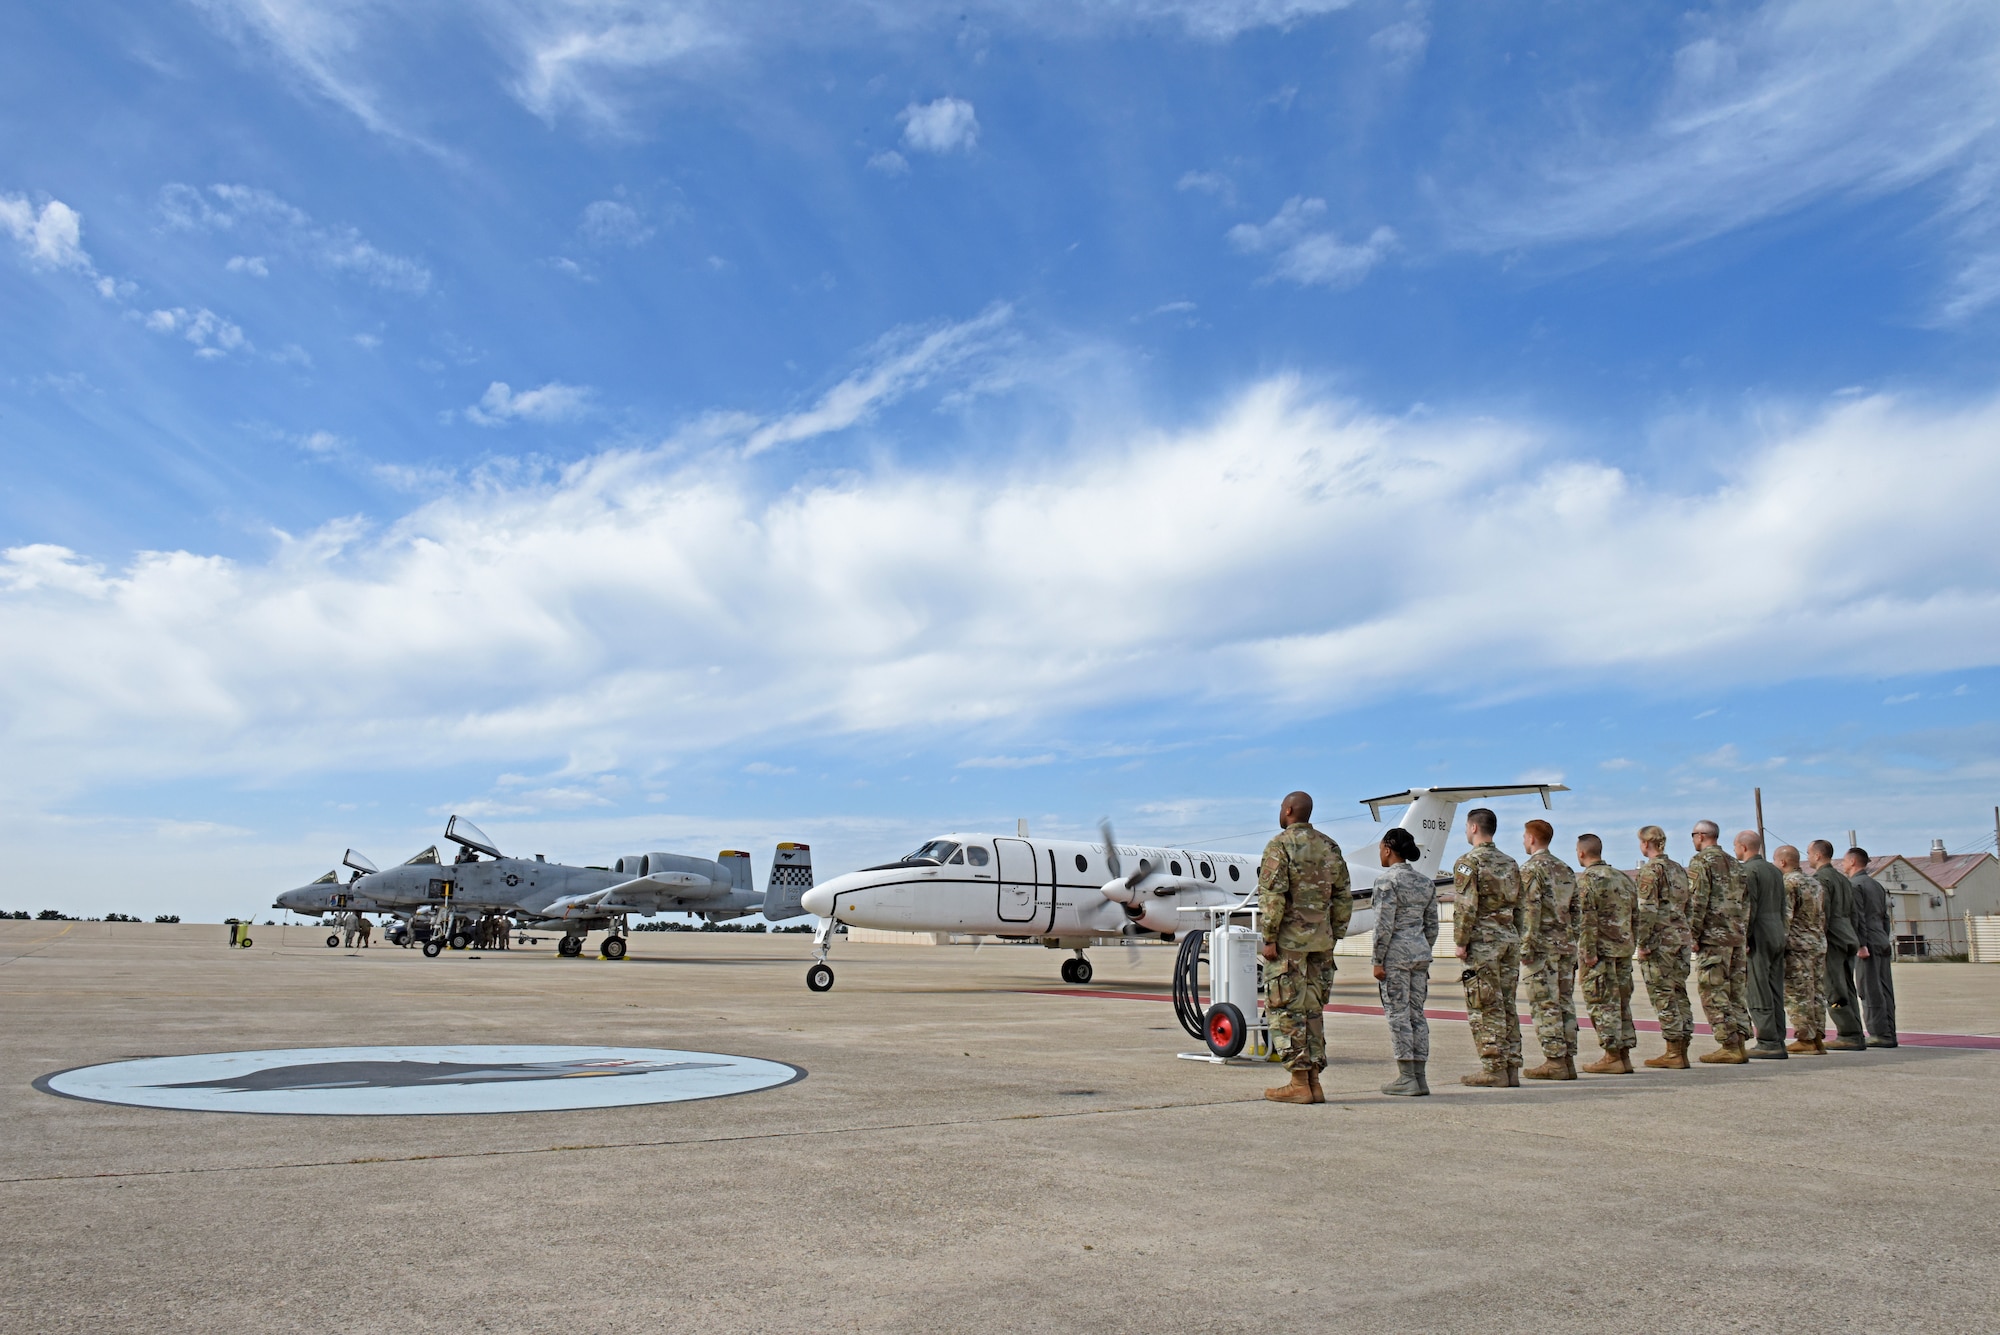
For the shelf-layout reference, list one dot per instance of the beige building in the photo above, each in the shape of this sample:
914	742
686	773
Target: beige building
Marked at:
1931	896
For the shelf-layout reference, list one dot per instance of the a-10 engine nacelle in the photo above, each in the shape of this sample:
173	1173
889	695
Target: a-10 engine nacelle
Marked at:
691	878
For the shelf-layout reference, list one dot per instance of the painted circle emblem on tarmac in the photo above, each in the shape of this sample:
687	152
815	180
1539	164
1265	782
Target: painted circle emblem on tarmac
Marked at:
419	1081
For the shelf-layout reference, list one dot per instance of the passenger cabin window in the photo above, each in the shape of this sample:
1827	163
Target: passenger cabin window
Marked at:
937	850
976	854
1081	863
1174	867
1207	872
1234	873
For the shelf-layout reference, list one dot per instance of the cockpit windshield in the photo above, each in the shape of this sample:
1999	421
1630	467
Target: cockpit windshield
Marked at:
462	831
329	879
937	850
427	858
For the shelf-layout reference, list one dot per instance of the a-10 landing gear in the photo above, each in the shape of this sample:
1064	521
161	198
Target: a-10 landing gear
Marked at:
570	946
613	948
819	977
1076	970
433	948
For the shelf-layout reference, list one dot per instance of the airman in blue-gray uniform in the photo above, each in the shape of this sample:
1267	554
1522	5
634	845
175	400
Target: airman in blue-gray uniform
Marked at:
1406	930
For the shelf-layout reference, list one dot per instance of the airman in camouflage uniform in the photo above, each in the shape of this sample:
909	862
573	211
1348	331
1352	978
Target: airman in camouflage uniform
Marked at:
1304	899
1548	951
1805	955
1607	905
1485	926
1665	947
1718	921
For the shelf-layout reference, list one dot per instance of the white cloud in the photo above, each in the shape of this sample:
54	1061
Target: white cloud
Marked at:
645	604
1209	183
1401	45
1769	110
947	125
553	402
766	767
890	163
904	361
1307	255
246	210
51	238
607	222
1007	762
211	335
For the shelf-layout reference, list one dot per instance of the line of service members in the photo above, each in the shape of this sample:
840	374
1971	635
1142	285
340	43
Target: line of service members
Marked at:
1759	938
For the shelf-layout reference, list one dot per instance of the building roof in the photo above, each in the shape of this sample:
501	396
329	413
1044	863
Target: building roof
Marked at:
1945	872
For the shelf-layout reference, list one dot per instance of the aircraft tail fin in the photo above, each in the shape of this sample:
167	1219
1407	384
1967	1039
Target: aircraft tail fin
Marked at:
791	877
737	864
1431	810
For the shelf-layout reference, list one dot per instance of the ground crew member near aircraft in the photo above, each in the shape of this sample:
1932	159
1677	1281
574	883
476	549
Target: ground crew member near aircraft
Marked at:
1843	943
1764	905
1664	946
1406	930
1304	900
1716	916
1607	904
1878	948
1485	926
1548	951
1805	955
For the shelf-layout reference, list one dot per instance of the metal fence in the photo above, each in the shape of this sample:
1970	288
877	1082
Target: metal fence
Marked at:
1930	938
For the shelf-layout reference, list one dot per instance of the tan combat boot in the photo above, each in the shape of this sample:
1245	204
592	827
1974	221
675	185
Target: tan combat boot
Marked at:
1675	1058
1611	1063
1807	1047
1319	1095
1300	1090
1550	1069
1490	1078
1729	1054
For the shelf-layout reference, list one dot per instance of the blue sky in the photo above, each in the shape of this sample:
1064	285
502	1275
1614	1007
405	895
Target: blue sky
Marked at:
674	425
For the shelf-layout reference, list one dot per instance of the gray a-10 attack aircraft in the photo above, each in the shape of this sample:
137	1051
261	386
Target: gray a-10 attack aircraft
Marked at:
534	892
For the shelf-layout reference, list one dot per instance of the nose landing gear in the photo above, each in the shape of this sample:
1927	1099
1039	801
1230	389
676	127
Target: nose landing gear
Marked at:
570	947
819	978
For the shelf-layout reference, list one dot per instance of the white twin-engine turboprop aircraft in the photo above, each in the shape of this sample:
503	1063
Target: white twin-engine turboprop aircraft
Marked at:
1071	895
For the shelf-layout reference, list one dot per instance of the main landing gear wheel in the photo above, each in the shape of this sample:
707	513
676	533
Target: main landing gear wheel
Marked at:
333	941
1226	1029
459	940
819	978
570	947
433	948
1076	971
613	948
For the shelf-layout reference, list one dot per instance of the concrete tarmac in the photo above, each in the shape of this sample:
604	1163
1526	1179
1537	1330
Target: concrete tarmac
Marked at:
968	1152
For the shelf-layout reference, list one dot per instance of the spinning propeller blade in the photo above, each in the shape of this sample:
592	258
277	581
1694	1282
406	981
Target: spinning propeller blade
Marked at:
1111	862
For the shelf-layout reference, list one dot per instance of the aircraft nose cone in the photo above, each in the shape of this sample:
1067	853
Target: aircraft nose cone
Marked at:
818	901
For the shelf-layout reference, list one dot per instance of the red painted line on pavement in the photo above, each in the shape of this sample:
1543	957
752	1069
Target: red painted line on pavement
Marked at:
1968	1042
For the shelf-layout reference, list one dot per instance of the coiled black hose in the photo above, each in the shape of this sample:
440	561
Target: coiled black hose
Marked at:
1188	1008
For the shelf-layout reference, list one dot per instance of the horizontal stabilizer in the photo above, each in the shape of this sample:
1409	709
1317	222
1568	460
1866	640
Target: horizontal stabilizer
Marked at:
1431	812
1457	795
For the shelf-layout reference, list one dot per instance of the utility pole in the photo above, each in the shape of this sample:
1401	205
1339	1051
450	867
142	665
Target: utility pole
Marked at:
1759	792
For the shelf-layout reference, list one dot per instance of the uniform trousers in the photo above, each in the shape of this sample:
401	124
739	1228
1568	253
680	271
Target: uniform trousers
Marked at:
1842	1006
1805	994
1404	989
1551	980
1723	979
1767	990
1296	986
1666	973
1607	990
1492	979
1878	992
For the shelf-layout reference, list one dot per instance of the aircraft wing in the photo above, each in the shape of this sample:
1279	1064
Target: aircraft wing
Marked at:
1403	799
642	895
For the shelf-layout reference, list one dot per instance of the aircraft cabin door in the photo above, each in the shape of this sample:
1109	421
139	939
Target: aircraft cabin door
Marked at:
1017	879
